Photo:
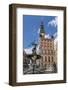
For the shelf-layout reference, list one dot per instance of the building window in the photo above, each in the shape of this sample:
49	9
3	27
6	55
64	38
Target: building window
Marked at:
52	58
49	59
52	52
45	59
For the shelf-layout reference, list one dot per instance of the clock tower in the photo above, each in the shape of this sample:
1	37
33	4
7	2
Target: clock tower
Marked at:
42	32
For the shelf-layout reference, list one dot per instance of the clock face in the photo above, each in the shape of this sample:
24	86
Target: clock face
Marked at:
42	34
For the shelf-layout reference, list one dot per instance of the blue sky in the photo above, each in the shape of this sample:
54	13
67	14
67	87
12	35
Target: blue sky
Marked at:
31	25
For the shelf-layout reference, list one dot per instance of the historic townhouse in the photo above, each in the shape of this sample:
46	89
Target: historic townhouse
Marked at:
47	51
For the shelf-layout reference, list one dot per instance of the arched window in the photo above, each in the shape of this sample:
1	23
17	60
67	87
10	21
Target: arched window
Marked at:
48	58
45	59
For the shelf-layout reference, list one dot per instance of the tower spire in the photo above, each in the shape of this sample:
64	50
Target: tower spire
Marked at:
42	32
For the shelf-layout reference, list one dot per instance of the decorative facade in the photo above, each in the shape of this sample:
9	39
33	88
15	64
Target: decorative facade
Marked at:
47	51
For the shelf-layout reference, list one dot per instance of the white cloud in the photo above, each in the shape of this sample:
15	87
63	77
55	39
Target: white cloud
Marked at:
28	50
55	43
53	22
37	50
38	30
55	35
47	36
